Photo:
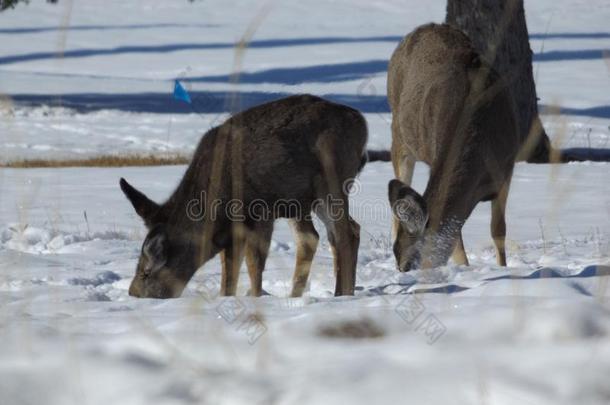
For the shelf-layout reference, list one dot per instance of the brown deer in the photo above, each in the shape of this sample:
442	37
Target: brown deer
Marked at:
453	112
285	158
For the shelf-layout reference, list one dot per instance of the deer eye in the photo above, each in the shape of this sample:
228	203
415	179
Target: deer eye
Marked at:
146	271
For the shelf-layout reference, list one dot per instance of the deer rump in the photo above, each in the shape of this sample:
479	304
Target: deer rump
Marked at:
280	159
452	111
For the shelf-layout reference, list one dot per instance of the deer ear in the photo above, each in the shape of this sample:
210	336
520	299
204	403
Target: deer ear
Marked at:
155	248
408	206
396	188
144	207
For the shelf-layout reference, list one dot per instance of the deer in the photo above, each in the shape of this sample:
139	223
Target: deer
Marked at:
453	112
288	158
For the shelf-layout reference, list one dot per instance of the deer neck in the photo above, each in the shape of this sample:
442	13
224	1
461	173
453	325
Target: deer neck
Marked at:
450	200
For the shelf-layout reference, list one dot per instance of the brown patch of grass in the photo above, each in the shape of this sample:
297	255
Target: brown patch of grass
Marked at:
363	328
100	161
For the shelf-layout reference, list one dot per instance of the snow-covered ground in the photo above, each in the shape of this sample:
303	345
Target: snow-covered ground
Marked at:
536	332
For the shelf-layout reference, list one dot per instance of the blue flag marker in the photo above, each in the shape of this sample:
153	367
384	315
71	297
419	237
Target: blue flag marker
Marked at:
180	93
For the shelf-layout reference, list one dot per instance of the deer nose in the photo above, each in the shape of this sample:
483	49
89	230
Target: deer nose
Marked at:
406	267
134	291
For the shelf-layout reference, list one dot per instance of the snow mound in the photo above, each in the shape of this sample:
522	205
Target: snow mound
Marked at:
29	239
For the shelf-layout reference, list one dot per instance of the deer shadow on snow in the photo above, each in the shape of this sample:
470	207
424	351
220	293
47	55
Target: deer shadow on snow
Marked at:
451	288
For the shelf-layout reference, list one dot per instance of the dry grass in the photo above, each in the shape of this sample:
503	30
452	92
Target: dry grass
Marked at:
363	328
100	161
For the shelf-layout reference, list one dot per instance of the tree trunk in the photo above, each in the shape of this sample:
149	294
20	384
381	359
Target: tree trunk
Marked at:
499	32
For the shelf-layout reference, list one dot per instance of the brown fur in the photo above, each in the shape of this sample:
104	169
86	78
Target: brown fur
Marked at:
451	111
290	156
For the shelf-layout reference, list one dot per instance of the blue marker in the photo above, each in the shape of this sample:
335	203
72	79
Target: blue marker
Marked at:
180	93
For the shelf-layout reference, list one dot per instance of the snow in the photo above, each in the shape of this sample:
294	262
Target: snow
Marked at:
535	332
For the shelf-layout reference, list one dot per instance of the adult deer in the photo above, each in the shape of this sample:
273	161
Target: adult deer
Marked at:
280	159
453	112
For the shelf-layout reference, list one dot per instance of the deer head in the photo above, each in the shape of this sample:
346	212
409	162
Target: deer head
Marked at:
410	210
169	256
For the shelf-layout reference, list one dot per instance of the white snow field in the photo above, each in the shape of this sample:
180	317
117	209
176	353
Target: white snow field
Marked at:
535	332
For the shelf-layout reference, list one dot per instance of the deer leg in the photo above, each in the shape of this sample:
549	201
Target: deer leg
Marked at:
232	258
307	243
347	241
331	234
257	249
333	209
459	253
344	238
498	223
354	230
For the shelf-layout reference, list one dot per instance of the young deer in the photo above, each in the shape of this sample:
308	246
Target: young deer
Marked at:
451	111
285	158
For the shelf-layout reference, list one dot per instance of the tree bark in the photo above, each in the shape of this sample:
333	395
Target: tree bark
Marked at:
498	31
